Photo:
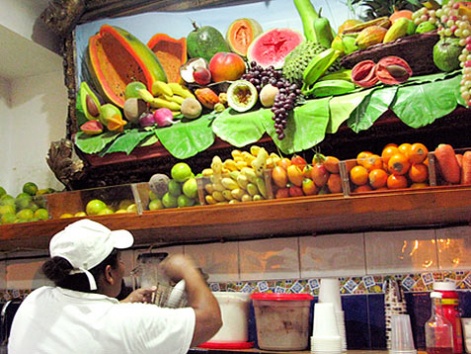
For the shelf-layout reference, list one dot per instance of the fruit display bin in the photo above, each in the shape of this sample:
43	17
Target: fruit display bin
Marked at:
438	176
374	177
234	188
94	202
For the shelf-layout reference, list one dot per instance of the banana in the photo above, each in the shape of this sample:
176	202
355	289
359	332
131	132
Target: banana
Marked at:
229	183
342	74
145	95
252	189
216	165
260	182
238	193
158	102
250	174
323	31
180	90
242	181
174	98
160	88
260	163
380	21
332	88
319	65
230	164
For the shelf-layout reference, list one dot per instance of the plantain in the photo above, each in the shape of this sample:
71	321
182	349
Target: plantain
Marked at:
332	88
342	74
318	66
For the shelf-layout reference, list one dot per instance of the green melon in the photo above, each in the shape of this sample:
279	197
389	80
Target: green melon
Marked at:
272	46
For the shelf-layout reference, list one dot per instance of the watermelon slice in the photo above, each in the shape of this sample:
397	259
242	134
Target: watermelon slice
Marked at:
272	46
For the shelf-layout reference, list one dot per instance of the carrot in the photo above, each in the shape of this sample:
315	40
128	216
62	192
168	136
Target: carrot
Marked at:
466	170
447	163
459	158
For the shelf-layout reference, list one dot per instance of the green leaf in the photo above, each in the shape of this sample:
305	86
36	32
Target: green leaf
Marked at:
420	105
241	129
375	104
305	128
94	144
128	141
184	140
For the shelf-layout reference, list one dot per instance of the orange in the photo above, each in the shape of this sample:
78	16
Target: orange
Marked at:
362	156
334	183
398	164
418	173
396	182
378	178
404	148
418	185
400	14
388	151
372	162
359	175
418	153
363	188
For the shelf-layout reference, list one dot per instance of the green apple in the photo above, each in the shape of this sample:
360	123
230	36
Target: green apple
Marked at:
181	171
445	54
95	206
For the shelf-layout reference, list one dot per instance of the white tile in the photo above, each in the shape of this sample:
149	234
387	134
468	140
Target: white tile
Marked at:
269	259
332	255
400	251
454	247
218	260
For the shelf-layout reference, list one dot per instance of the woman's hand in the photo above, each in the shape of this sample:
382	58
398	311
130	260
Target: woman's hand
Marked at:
144	295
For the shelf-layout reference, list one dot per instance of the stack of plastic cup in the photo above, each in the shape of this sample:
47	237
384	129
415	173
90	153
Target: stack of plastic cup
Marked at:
329	292
325	333
402	341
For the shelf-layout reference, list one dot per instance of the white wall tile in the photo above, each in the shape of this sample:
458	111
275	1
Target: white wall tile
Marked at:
218	260
332	255
276	258
454	247
400	251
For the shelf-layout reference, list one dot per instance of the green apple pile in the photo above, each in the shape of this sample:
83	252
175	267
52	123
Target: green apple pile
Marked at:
28	206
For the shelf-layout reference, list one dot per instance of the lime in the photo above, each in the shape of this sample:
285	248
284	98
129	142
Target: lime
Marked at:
66	216
7	209
25	214
7	199
152	195
190	188
425	27
30	188
156	204
181	171
95	206
8	218
80	214
125	203
23	201
174	188
169	201
105	211
184	201
132	208
41	214
131	90
2	191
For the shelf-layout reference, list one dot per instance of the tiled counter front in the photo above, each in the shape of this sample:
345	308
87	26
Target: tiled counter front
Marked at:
361	261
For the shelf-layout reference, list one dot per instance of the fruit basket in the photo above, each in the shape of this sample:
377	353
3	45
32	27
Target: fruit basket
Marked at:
416	49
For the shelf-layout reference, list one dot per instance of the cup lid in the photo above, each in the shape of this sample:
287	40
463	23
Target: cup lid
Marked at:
280	297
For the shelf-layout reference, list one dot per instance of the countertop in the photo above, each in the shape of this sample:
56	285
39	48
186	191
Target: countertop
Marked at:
228	351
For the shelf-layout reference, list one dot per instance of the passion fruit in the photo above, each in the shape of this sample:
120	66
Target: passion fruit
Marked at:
242	96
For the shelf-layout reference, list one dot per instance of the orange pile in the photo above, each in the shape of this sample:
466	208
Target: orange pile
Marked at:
398	166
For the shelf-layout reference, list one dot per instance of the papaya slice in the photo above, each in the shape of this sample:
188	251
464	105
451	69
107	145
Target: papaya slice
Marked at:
116	58
171	53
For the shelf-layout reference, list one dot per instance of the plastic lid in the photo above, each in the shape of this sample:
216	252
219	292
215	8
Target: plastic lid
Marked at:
444	286
281	297
226	345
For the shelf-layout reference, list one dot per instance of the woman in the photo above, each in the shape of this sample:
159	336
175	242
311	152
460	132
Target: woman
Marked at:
82	315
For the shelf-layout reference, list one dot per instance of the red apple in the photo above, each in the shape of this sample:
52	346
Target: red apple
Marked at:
226	66
202	76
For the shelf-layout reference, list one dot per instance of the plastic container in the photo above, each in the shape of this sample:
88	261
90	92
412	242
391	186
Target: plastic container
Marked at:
282	320
450	308
438	330
235	318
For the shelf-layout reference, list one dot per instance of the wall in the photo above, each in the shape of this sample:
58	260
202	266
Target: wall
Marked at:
361	261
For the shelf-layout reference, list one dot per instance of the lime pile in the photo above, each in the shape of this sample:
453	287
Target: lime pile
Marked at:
98	207
28	206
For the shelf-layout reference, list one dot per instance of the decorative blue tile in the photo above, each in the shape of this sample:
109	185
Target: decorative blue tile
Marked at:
418	308
376	321
356	321
408	283
296	288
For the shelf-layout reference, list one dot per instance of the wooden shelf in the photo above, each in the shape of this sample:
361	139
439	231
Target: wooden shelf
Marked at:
430	207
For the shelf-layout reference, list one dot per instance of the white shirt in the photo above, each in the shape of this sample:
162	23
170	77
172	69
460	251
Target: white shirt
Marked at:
55	320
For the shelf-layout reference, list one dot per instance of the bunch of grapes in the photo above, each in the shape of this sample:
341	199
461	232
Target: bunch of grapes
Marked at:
286	98
453	20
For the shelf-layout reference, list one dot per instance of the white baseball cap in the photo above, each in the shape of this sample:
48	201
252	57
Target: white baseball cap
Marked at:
86	243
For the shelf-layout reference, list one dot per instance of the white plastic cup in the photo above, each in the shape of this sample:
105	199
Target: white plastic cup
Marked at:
325	321
329	291
402	341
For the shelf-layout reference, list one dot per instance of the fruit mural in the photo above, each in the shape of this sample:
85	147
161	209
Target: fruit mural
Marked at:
268	80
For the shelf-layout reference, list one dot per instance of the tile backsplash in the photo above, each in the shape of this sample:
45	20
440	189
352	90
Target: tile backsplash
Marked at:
361	261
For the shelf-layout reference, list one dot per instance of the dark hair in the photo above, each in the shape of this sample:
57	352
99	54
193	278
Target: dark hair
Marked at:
57	269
